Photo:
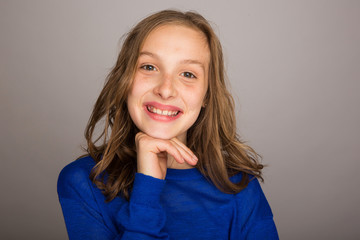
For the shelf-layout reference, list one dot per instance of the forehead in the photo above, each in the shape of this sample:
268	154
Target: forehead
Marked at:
177	39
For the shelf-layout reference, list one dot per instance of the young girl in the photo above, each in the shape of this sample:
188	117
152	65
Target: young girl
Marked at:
167	163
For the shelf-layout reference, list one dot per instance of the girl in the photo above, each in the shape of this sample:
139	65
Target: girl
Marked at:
167	163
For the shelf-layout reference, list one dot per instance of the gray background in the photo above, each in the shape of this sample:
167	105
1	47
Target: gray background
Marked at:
294	68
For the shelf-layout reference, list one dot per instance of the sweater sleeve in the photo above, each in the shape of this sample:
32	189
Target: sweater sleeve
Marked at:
254	218
141	218
144	217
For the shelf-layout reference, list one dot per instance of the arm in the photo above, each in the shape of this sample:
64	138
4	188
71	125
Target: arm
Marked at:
144	217
141	218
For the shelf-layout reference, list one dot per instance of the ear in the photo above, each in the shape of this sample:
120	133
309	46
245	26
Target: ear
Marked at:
205	101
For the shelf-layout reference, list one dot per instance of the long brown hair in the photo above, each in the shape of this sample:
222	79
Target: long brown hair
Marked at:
212	138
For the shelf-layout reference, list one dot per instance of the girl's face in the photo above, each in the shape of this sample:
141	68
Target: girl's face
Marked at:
170	82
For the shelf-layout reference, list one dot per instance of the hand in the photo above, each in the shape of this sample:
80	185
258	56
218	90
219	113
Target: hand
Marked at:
152	154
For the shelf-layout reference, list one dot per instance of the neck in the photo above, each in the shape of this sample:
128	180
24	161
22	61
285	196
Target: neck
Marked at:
182	138
172	163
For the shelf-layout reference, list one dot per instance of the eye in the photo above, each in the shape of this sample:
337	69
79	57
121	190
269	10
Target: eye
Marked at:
148	67
188	75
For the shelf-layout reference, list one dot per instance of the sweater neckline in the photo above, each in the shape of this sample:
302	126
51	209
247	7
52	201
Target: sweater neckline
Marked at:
183	174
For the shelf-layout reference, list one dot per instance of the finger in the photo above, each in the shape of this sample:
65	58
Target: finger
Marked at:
184	147
168	146
185	152
138	137
158	146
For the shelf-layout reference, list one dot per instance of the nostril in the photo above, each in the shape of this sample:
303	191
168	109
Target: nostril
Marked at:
165	89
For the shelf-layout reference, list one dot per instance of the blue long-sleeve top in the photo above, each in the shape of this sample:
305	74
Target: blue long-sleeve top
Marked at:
183	206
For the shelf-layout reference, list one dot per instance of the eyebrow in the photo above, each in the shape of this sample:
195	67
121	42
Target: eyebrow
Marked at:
185	61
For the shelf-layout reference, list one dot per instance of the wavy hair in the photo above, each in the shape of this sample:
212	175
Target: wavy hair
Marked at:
212	138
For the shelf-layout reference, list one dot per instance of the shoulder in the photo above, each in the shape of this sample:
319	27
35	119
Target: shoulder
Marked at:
252	198
253	185
252	193
77	170
75	177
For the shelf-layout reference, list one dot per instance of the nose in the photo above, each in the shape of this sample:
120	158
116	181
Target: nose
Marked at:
165	88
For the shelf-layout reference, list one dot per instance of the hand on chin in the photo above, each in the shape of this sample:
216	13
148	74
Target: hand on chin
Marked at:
154	155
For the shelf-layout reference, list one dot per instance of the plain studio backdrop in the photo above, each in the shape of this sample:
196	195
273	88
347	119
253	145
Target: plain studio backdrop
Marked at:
294	70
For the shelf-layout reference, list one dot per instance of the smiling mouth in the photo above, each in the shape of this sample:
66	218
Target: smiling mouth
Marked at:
158	111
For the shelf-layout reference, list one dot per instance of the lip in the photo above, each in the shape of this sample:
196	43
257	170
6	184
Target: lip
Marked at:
162	118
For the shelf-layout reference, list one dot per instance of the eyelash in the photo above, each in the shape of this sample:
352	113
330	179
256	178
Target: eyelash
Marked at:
191	75
147	66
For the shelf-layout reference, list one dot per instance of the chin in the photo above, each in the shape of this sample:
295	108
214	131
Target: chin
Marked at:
160	134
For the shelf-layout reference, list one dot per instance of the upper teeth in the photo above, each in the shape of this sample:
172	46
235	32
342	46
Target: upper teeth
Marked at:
162	112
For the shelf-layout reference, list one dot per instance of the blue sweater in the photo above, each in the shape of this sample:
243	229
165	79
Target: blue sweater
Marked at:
183	206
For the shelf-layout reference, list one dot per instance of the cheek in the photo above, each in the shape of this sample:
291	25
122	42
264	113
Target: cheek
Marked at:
195	99
135	89
131	107
138	89
194	105
133	100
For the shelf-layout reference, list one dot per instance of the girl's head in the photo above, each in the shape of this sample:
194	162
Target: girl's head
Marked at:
168	82
188	46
